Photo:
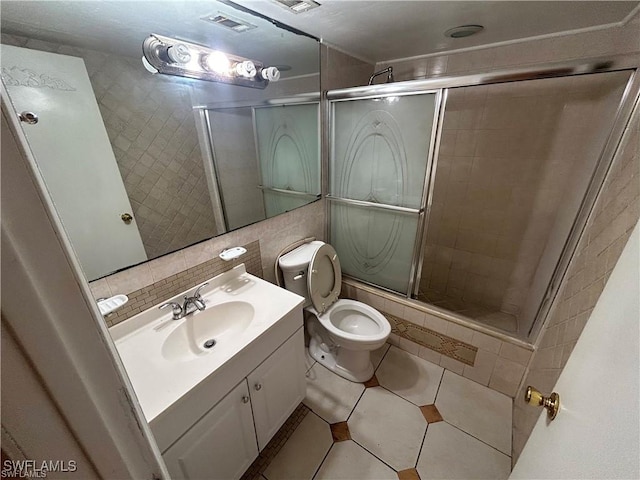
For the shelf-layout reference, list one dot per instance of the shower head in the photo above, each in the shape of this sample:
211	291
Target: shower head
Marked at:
388	71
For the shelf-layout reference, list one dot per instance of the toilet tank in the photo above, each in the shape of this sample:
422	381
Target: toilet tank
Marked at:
295	265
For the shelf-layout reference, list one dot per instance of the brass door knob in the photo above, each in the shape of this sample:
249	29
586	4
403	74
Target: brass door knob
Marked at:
126	218
551	403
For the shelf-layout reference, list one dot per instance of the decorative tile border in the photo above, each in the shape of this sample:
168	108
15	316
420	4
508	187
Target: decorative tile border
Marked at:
166	288
260	464
443	344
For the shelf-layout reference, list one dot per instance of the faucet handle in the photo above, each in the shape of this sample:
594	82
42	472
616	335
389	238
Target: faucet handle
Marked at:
176	308
197	293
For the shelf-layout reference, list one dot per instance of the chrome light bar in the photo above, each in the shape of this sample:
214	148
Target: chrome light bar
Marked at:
176	57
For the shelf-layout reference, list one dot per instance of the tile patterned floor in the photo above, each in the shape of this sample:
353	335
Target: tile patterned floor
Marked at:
412	421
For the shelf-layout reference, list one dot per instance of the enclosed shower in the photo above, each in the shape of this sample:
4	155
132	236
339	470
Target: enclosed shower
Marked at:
469	193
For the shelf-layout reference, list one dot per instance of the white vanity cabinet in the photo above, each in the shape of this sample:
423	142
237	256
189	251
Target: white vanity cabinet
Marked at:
277	387
225	441
221	445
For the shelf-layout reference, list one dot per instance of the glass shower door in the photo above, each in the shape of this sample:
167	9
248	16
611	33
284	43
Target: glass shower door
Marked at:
288	155
380	153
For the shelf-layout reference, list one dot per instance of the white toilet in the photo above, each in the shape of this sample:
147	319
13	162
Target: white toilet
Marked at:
342	332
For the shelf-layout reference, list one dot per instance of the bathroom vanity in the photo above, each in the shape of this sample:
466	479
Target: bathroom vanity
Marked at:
216	385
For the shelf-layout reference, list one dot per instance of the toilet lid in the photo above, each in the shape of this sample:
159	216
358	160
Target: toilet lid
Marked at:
324	278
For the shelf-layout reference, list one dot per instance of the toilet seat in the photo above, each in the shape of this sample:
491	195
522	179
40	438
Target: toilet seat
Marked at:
324	278
340	321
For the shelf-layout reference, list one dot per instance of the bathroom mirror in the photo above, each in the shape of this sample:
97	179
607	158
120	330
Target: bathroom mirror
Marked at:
139	165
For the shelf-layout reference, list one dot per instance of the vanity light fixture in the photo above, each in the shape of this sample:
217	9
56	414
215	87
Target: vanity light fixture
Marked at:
176	57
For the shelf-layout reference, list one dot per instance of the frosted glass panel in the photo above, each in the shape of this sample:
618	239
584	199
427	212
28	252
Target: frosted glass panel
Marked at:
381	148
374	245
288	153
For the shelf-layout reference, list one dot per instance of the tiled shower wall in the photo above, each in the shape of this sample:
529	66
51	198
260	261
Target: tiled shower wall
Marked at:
617	209
614	217
505	175
151	126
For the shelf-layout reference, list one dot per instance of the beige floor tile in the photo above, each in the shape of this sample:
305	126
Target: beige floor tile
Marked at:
303	453
411	377
449	453
378	355
477	410
329	395
389	427
349	461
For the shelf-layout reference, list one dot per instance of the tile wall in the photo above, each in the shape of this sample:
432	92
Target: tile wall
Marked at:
154	294
614	217
151	126
504	178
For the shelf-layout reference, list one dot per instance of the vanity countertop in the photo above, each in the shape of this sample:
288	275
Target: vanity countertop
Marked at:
163	360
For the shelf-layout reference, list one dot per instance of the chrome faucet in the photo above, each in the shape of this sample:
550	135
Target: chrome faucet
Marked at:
190	305
194	302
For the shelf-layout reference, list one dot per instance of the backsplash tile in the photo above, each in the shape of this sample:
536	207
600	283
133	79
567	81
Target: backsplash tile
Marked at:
168	286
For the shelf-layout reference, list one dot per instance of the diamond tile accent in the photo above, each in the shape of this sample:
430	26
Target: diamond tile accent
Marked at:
431	413
443	344
340	431
408	474
372	382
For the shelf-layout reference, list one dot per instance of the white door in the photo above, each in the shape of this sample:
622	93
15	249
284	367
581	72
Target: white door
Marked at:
221	445
74	155
277	387
596	433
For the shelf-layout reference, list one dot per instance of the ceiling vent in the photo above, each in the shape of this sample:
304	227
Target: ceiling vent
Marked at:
228	22
297	6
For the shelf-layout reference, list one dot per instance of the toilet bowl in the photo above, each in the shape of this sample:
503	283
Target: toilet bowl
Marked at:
342	332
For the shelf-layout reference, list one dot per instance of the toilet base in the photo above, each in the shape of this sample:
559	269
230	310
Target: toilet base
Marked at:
353	365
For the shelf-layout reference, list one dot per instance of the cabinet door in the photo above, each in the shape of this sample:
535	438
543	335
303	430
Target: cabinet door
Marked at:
277	387
221	445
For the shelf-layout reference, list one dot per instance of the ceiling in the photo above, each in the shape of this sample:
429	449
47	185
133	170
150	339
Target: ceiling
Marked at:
378	30
373	30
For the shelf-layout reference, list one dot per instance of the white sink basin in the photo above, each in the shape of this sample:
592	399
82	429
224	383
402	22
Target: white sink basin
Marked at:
201	332
166	359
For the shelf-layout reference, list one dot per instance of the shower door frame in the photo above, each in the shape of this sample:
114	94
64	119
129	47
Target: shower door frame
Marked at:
629	102
422	210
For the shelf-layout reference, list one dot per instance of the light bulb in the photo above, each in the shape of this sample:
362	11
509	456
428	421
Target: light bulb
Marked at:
270	73
217	62
245	69
179	53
